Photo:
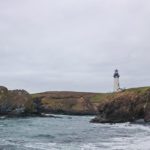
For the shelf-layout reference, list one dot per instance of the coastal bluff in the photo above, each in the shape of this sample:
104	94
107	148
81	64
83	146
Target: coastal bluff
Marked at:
64	102
124	106
15	102
127	106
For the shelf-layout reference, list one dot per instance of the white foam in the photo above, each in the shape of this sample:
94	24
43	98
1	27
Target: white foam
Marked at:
41	146
89	146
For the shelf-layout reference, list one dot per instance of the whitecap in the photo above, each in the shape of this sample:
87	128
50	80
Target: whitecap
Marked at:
41	146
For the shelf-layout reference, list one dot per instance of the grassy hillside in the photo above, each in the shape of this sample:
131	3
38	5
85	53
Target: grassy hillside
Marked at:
80	102
66	102
98	98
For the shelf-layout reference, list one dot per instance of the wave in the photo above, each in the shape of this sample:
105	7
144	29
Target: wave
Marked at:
41	146
47	136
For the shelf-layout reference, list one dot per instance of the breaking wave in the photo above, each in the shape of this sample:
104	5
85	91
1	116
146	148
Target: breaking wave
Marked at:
71	134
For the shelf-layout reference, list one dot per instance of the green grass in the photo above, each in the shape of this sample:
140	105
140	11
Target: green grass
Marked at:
139	90
98	98
101	97
106	96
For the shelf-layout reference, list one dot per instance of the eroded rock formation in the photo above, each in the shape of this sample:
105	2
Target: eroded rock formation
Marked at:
127	106
15	102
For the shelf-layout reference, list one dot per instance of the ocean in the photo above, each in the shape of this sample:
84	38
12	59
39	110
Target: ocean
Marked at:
71	133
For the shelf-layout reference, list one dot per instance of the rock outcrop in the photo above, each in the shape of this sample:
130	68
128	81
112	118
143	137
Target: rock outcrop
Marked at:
127	106
15	102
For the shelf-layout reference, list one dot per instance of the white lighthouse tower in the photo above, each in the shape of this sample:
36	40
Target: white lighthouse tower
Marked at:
116	81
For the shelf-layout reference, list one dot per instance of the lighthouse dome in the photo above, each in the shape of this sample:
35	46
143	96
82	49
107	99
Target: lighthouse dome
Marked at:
116	74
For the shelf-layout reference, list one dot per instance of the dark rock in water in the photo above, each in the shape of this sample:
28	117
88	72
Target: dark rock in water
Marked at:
124	107
139	121
147	117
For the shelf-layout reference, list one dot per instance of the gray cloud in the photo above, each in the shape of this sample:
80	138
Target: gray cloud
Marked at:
74	45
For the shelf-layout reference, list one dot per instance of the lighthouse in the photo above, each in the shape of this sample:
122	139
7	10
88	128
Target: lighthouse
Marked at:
116	81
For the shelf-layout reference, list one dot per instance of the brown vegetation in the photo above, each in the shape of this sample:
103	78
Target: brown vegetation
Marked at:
73	103
130	105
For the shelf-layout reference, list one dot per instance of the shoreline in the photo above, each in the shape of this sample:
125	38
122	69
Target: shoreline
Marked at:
125	106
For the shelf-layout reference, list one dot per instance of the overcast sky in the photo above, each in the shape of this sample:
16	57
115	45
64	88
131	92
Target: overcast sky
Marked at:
74	44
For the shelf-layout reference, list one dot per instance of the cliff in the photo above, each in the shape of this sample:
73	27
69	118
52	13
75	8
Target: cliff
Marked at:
21	103
15	102
129	105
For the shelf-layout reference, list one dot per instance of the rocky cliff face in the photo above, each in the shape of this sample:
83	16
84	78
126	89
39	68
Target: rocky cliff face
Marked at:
129	105
15	102
21	103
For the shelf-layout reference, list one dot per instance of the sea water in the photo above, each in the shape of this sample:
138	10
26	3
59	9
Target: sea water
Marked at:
71	133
